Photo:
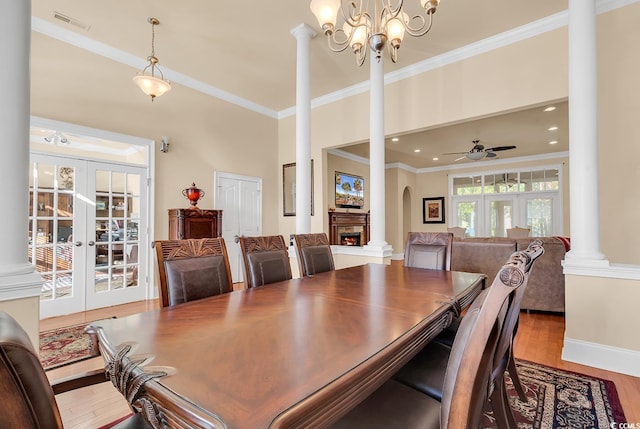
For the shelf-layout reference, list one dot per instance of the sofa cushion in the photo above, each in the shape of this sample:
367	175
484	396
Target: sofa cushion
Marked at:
481	255
545	290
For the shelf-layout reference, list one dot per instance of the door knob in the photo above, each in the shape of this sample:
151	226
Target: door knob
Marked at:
91	243
78	243
236	238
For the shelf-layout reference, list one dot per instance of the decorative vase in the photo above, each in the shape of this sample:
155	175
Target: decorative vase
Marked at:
193	194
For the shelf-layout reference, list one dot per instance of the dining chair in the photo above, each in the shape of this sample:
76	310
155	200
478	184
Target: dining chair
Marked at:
28	399
192	269
314	253
426	372
467	379
266	260
428	250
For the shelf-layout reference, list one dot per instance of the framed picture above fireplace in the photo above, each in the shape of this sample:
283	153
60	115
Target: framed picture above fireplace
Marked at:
349	191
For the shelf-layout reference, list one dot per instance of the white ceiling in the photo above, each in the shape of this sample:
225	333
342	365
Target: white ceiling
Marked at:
245	51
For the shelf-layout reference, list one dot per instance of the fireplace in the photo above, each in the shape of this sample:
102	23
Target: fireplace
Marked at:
351	238
348	229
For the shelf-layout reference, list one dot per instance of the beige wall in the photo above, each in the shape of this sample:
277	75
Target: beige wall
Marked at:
207	134
619	133
26	311
602	311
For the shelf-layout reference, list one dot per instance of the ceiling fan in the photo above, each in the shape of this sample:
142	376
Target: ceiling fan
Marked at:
478	152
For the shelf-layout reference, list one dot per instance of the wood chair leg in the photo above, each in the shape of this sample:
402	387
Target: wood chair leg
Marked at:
515	378
501	408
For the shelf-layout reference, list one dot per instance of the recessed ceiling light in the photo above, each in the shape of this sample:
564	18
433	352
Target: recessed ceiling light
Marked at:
436	159
550	109
395	139
552	128
416	150
553	142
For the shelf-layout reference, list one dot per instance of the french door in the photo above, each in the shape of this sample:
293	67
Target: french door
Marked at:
240	199
87	233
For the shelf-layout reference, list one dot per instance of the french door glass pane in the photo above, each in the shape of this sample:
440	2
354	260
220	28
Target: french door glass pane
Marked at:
468	216
117	223
51	194
501	217
539	216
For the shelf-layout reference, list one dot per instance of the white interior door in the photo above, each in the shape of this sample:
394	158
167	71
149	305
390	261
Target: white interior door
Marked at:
84	219
240	199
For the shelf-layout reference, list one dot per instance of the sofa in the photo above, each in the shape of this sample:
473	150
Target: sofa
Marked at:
545	290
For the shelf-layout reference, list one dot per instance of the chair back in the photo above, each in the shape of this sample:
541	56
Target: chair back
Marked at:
526	258
192	269
518	232
430	250
468	377
266	260
314	253
27	396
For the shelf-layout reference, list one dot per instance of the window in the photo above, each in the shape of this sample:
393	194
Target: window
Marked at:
488	204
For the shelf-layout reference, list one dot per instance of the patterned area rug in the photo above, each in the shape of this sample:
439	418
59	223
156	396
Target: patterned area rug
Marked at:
561	399
64	346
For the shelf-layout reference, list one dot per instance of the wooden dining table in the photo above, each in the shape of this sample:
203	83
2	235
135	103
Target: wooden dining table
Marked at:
294	354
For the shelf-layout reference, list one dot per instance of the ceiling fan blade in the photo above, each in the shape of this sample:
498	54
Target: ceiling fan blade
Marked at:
499	148
456	153
458	159
491	155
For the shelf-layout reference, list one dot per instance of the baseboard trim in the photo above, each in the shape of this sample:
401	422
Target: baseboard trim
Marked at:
609	358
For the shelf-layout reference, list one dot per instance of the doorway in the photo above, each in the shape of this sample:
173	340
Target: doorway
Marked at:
240	199
84	224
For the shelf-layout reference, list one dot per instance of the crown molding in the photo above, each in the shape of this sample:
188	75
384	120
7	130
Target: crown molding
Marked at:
506	38
347	155
482	163
532	29
543	157
83	42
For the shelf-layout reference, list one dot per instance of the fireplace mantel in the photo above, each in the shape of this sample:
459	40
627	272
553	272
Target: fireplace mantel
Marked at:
348	223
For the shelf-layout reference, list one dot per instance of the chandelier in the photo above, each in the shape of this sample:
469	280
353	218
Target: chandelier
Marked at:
386	25
146	79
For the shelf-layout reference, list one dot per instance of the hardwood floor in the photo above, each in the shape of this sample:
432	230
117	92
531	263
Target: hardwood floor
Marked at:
539	339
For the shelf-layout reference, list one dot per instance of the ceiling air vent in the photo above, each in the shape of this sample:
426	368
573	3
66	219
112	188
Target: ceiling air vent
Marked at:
72	21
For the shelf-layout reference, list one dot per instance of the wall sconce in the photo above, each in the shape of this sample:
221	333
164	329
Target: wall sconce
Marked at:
164	146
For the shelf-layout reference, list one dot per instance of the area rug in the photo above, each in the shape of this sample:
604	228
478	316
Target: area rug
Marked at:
561	399
64	346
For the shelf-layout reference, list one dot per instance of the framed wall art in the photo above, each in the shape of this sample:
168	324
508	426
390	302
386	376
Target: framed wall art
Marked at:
349	191
433	210
289	189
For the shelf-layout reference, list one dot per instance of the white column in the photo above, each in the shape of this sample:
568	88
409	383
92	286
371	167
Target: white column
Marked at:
376	155
303	34
583	135
17	277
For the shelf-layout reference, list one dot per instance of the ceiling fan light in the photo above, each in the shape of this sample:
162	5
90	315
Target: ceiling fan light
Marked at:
475	156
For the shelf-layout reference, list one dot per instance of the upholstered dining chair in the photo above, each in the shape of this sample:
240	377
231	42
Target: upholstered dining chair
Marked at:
314	253
517	232
428	250
467	379
192	269
426	372
266	260
28	399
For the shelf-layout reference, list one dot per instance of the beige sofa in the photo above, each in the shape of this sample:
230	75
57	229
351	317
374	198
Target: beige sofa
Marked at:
545	290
